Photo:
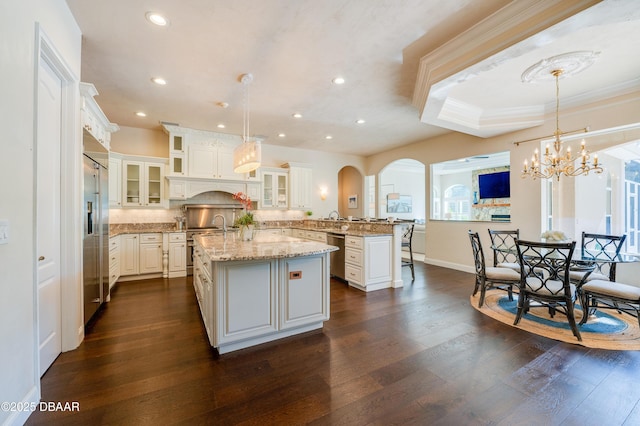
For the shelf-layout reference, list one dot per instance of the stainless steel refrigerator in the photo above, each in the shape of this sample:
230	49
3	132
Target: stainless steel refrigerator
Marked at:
95	262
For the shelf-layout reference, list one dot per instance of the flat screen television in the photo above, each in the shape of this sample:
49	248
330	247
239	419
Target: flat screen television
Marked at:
494	185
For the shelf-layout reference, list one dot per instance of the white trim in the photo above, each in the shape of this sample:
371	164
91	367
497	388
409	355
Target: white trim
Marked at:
70	192
450	265
31	399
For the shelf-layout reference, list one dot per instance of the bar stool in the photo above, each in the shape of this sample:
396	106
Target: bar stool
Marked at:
407	238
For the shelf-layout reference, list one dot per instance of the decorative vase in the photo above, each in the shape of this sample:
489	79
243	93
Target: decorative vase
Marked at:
246	232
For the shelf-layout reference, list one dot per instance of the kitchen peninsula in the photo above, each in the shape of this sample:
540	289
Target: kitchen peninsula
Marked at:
252	292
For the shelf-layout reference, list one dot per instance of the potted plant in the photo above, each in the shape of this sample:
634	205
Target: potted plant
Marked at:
246	224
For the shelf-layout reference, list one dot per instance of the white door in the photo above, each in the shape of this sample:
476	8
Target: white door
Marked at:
48	215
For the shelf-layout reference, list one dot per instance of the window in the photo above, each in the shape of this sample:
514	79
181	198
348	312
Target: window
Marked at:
435	203
631	201
456	203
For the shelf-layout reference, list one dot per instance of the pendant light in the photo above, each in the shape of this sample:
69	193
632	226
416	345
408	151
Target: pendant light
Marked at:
248	155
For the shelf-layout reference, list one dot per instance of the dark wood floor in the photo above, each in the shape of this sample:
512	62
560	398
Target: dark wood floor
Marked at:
417	355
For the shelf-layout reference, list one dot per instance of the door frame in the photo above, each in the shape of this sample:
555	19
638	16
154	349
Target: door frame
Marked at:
72	330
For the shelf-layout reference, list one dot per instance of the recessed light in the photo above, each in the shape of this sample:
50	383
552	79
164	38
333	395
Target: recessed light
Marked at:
281	135
338	80
221	126
297	115
360	121
157	19
141	114
328	137
159	81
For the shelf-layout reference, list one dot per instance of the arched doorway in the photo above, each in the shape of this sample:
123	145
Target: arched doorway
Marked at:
351	193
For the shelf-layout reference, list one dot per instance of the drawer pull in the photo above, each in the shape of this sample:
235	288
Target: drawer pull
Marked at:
295	275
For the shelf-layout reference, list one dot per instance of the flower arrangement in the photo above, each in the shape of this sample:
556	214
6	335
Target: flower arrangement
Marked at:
245	219
552	235
244	199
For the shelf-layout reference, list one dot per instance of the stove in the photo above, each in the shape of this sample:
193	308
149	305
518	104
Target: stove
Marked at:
190	234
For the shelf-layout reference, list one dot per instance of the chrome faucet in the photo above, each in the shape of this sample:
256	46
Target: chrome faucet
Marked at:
224	223
337	214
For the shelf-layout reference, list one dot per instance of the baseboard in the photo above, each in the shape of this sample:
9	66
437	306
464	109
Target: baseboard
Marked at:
19	417
450	265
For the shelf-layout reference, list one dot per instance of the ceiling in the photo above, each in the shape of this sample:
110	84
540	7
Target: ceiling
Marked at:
387	51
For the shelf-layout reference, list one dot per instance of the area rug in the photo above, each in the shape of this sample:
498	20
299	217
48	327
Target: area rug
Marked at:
604	330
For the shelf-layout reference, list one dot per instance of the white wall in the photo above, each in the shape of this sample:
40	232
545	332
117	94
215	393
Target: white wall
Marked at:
19	377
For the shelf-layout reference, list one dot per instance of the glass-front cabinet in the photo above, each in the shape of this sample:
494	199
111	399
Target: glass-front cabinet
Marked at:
142	184
177	147
274	189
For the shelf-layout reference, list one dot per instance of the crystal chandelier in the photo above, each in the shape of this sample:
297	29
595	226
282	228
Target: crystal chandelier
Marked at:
555	162
247	155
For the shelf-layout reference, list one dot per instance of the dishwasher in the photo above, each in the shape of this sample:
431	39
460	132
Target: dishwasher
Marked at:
336	258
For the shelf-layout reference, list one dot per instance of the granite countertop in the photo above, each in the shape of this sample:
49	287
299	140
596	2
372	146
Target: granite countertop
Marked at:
220	248
354	228
351	232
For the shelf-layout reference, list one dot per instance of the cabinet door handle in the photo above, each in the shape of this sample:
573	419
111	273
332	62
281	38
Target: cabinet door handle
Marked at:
41	258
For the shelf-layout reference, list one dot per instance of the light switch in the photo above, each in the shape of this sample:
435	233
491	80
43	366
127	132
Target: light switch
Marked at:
4	231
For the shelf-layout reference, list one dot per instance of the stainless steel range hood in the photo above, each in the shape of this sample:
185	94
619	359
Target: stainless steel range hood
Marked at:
200	216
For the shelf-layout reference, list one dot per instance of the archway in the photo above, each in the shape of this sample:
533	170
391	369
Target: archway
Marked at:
351	194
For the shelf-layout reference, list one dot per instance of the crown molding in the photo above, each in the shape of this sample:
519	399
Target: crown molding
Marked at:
508	26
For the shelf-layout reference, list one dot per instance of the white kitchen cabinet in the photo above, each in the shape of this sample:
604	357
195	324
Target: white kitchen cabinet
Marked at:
249	293
274	189
177	189
93	119
177	254
277	232
150	253
129	254
368	261
304	297
253	191
114	260
308	234
142	183
142	254
212	160
177	148
300	186
115	182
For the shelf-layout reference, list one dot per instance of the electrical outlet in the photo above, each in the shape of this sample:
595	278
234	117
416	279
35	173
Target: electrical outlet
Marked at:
4	231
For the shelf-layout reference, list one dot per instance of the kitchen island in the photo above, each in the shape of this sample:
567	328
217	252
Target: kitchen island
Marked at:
252	292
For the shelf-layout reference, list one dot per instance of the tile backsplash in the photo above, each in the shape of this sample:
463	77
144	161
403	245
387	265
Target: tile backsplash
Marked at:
168	215
143	215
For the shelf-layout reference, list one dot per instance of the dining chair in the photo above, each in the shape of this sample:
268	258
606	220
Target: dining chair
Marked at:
603	246
490	277
407	241
548	283
503	244
605	294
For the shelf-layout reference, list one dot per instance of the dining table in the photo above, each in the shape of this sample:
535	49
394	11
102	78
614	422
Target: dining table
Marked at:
582	260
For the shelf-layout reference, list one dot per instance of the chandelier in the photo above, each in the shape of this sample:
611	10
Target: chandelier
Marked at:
247	155
557	161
